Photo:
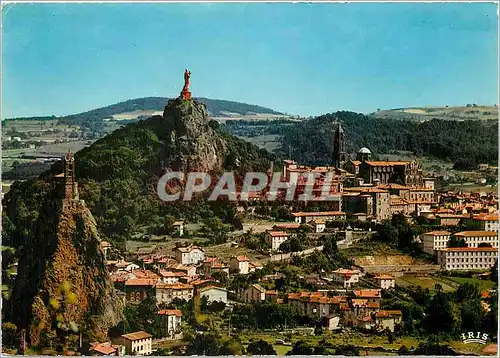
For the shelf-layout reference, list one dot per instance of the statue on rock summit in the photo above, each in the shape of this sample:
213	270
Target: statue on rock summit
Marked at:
186	94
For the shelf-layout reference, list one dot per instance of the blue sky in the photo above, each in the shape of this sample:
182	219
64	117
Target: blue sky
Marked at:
305	59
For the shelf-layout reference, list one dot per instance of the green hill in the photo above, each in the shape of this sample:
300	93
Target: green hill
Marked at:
465	143
117	174
455	113
215	107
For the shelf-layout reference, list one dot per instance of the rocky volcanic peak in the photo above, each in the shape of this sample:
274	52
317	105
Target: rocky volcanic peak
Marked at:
191	143
65	250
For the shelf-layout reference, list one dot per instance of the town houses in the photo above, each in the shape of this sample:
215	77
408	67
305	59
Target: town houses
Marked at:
365	195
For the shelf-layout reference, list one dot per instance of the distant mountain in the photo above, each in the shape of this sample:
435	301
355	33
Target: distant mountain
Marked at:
215	107
457	113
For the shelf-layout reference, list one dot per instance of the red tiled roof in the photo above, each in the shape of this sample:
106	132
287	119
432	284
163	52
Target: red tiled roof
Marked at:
485	217
103	348
277	233
177	313
368	293
476	233
384	277
140	282
242	258
319	213
137	335
188	248
175	286
386	164
287	226
437	233
472	249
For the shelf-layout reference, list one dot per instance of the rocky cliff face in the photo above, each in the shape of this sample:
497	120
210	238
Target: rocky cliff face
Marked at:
64	250
191	142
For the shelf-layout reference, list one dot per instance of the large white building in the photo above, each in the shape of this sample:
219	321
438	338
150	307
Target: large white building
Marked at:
434	240
474	238
214	294
487	222
137	343
385	282
466	258
275	239
189	255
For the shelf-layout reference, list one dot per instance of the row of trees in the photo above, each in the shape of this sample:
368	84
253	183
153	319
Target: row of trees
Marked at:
466	143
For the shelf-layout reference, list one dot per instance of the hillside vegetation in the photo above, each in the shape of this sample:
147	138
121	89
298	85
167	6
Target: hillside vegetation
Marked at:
118	174
458	113
466	143
216	107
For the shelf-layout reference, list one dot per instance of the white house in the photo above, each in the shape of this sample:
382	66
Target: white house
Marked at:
189	255
318	225
474	238
434	240
466	258
254	293
179	227
170	320
332	322
170	277
346	277
239	264
137	343
275	239
385	281
214	293
126	266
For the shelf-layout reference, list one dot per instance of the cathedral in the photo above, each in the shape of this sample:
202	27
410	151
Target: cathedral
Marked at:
375	172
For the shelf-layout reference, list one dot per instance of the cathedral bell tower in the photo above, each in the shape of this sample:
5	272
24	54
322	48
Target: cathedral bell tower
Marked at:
339	155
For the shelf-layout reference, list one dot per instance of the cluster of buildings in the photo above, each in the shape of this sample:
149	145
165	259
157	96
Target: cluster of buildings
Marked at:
480	246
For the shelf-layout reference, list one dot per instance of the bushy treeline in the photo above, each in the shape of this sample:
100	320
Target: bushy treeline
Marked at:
465	143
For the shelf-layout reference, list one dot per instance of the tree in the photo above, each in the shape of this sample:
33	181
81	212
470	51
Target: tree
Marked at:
168	224
285	246
456	241
232	347
301	348
318	330
494	272
221	277
440	317
215	230
484	244
260	348
403	351
387	233
203	344
347	350
10	337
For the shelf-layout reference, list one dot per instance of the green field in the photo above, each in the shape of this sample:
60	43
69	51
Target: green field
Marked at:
424	282
448	283
484	285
